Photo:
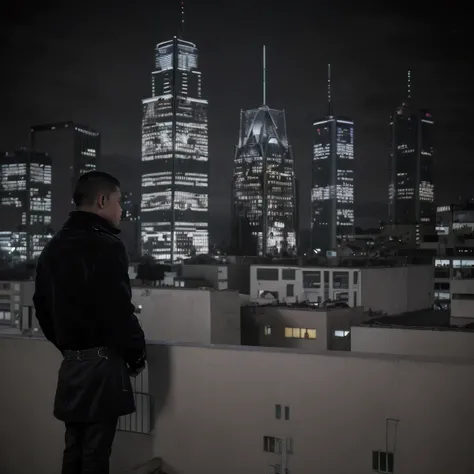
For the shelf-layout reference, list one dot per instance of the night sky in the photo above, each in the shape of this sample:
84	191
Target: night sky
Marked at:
91	62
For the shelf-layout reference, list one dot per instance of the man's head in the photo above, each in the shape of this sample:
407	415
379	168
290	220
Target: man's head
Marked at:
99	193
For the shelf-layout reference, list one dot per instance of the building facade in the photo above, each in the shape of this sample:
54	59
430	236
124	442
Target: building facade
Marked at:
25	203
391	290
332	193
264	189
304	329
174	210
454	287
74	150
411	168
17	314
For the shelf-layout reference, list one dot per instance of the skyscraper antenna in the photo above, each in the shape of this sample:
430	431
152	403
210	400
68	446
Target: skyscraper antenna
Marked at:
329	90
264	76
409	84
181	30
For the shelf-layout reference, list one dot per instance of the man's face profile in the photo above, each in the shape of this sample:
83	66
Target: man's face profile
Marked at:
110	207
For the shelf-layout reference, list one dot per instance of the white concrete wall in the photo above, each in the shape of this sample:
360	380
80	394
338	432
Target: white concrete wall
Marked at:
216	275
174	314
464	287
395	290
462	310
189	315
418	342
215	405
225	317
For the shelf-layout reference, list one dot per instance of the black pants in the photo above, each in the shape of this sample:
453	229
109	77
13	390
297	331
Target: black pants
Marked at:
88	447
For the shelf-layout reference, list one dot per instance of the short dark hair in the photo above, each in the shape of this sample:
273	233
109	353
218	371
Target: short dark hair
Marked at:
90	184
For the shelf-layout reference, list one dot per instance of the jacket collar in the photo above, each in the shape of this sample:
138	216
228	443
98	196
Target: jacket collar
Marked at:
89	220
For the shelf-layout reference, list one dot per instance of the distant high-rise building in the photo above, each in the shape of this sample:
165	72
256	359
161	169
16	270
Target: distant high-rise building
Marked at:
25	203
74	150
411	186
174	211
264	192
332	193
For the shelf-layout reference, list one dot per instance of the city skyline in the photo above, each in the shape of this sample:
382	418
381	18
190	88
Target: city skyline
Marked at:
366	90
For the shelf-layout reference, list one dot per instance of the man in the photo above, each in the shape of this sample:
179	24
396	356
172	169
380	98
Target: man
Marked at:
83	305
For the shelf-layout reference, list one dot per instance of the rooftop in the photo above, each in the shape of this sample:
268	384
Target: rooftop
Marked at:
423	319
190	389
344	263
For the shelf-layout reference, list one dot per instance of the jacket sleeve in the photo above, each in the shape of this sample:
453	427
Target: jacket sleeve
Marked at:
42	309
121	326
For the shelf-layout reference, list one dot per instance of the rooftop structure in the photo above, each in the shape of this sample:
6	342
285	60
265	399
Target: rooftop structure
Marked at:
258	408
392	290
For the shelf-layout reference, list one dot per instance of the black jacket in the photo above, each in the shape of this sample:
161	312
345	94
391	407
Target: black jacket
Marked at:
83	300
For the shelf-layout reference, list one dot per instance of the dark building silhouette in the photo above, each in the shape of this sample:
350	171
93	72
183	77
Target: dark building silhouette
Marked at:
411	186
74	149
332	193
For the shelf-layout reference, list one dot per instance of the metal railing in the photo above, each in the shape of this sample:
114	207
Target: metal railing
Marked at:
141	421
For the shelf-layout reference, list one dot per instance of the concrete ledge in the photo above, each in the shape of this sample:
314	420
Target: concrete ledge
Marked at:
153	466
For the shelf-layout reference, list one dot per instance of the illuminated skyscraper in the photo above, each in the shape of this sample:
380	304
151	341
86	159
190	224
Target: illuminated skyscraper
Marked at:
25	203
332	194
74	150
175	169
264	180
411	187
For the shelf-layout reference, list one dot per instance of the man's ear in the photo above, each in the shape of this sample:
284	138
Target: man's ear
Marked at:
101	201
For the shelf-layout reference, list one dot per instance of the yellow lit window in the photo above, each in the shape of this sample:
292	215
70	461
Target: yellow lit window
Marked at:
300	333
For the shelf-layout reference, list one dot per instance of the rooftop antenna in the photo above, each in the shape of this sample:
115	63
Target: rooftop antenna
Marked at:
409	84
181	30
264	76
329	90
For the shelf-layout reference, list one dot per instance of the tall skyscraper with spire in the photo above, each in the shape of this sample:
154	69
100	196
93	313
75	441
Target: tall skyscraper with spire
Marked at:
264	193
175	170
411	185
332	193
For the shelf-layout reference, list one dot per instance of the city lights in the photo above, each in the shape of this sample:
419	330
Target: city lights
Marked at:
332	194
264	181
175	168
